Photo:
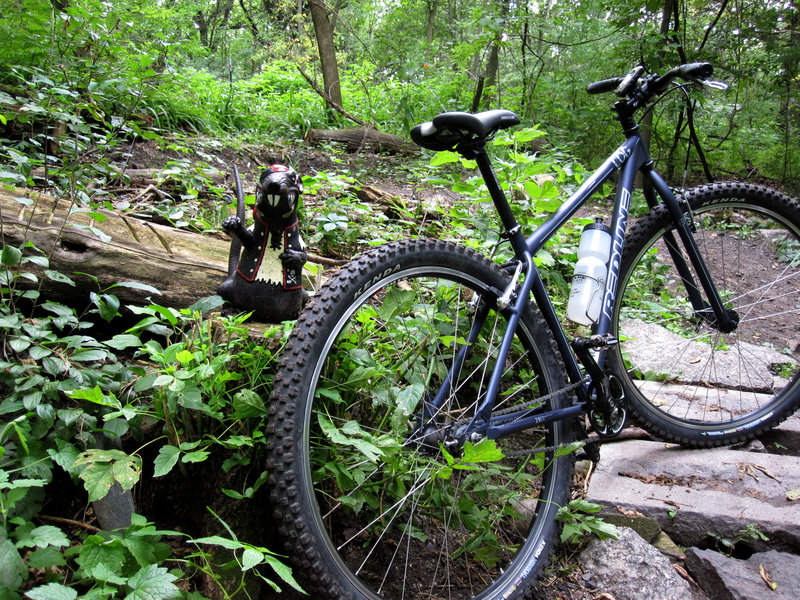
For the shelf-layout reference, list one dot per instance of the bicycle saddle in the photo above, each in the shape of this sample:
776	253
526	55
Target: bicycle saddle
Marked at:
452	130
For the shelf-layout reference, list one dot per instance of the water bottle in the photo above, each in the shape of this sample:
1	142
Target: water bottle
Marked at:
589	277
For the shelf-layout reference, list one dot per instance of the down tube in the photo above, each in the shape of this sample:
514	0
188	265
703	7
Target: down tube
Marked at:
619	225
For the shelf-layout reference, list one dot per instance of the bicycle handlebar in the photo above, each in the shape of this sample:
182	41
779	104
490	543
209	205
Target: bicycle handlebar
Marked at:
624	86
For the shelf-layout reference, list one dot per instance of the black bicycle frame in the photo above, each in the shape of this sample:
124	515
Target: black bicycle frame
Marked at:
631	157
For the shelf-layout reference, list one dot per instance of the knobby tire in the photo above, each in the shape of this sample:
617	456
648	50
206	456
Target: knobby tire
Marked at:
370	504
684	379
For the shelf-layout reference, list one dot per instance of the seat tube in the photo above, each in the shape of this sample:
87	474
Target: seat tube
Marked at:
500	201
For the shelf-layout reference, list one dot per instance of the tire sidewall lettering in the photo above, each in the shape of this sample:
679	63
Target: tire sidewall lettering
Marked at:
385	273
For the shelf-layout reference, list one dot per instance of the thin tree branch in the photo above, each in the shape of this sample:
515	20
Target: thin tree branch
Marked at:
328	99
713	24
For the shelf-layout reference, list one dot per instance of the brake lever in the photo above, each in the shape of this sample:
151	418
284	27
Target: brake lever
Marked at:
714	84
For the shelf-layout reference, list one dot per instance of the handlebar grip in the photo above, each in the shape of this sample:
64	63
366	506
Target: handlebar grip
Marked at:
698	70
606	85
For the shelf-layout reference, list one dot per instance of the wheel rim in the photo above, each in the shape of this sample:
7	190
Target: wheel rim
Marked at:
407	523
693	375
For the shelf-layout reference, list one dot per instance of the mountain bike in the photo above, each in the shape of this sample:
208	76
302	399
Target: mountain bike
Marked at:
428	402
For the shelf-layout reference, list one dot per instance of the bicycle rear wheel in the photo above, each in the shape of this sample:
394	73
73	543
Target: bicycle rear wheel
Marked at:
685	380
371	504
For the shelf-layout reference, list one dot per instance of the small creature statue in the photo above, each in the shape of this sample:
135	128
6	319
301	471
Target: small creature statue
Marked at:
267	278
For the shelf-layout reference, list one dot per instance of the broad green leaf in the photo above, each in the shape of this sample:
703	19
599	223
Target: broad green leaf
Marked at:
19	344
527	134
135	285
444	157
58	309
196	456
97	479
247	403
250	558
90	355
153	583
216	540
122	341
581	505
100	469
283	571
127	471
115	427
39	261
207	304
569	449
42	558
102	572
12	570
484	451
184	357
409	397
43	536
108	304
96	396
39	352
602	529
52	591
191	397
58	277
167	458
10	256
64	454
97	550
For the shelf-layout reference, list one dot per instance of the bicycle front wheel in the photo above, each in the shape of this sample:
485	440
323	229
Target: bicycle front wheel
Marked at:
684	379
373	492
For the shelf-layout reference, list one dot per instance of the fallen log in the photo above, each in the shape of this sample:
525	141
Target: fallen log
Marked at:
357	138
112	247
145	177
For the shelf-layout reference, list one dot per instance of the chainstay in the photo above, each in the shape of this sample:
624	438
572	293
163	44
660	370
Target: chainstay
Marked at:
564	392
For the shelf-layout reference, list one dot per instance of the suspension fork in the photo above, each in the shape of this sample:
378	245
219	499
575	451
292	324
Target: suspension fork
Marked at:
723	319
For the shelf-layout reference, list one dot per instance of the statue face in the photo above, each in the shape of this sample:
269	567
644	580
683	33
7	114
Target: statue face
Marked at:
278	191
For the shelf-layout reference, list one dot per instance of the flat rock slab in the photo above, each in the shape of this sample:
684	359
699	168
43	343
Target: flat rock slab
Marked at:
772	575
692	492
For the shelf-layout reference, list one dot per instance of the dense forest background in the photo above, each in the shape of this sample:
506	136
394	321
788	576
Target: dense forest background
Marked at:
237	68
99	397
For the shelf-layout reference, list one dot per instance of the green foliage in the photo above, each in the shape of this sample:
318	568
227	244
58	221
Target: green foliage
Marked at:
746	537
246	558
67	394
580	518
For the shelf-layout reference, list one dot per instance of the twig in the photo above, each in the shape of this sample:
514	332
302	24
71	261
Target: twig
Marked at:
68	522
328	262
150	189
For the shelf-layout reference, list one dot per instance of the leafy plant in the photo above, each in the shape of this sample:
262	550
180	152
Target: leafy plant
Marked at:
742	537
580	519
65	392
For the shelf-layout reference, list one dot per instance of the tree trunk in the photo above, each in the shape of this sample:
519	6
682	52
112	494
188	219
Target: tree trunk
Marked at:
431	6
493	63
327	50
183	266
